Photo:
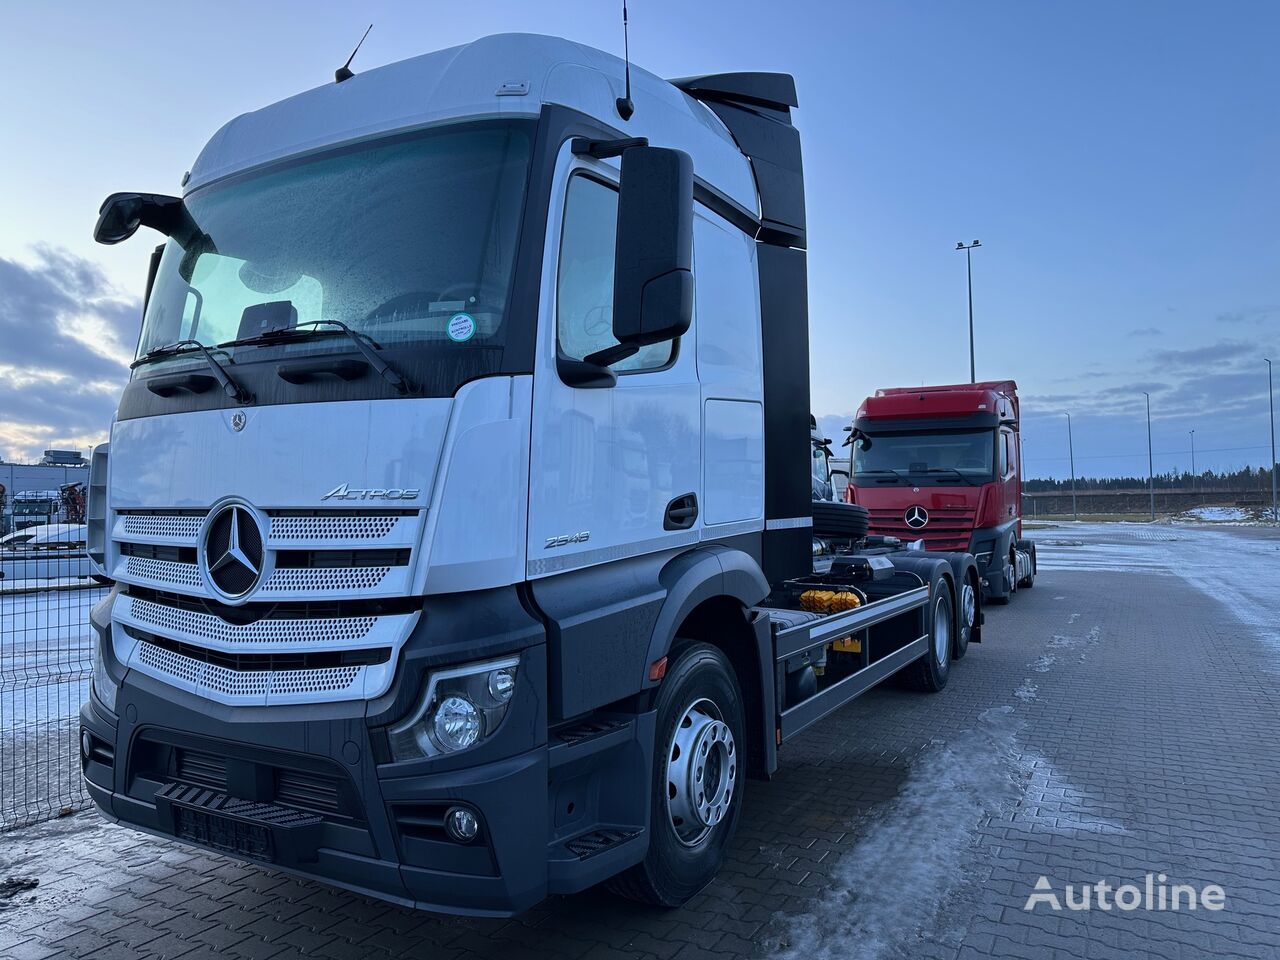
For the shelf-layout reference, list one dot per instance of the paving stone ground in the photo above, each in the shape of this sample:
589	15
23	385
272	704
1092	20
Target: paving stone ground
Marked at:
1120	719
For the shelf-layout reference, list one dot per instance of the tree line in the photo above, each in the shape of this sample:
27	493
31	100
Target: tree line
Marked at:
1244	480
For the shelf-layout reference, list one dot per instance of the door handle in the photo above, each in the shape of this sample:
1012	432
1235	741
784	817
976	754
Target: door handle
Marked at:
681	512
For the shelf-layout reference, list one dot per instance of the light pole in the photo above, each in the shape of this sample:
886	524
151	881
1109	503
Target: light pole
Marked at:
968	258
1271	407
1193	461
1151	467
1071	453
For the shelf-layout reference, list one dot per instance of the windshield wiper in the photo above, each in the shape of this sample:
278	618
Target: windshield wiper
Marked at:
950	470
889	476
178	347
363	342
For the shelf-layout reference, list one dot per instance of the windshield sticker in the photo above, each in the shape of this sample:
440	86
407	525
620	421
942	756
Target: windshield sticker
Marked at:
461	328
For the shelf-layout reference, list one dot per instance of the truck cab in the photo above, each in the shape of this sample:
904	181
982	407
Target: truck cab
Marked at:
36	507
450	566
943	465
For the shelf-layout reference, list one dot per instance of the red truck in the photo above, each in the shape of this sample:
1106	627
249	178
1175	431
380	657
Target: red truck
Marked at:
943	464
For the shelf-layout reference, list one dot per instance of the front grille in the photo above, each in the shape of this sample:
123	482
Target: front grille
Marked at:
210	627
200	769
949	528
345	579
335	526
260	662
322	624
243	685
163	572
167	525
307	792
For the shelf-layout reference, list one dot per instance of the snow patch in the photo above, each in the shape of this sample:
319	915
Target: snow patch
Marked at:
1044	662
1027	691
1053	802
915	854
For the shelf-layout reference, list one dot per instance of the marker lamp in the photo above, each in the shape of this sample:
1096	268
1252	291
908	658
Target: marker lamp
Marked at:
462	706
104	687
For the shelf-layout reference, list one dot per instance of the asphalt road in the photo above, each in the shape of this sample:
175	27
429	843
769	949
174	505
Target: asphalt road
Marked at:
1119	720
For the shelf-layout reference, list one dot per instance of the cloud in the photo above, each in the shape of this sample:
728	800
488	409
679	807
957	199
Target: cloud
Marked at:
1146	332
1253	315
1224	351
67	337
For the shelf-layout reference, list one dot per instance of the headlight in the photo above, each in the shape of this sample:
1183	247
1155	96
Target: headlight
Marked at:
103	685
461	707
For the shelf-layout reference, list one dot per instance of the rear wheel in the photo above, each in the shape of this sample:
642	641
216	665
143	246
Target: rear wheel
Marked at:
966	617
698	777
933	669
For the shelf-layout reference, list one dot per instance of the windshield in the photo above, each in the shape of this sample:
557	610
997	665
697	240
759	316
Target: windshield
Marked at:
409	240
30	508
959	455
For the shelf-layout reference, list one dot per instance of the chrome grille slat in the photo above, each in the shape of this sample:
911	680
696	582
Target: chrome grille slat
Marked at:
331	528
248	683
168	572
323	579
289	632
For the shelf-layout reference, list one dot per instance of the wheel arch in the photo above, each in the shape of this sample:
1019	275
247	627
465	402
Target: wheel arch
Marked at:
710	593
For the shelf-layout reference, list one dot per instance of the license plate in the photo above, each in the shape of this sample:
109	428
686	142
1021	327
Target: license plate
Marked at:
224	833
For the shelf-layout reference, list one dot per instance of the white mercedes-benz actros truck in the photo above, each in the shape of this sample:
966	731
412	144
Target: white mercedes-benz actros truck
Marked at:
457	505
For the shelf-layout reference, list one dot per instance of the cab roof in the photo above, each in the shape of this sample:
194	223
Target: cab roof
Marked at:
507	75
991	397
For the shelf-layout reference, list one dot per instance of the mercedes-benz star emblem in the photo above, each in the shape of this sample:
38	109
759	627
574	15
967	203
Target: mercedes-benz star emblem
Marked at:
238	420
916	517
233	551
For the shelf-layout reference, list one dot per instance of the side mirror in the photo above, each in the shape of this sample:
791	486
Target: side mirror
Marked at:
653	252
121	214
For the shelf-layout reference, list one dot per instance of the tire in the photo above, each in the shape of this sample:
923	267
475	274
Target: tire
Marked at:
840	521
930	672
966	617
685	850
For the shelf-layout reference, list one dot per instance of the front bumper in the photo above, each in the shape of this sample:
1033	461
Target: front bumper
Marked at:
356	826
308	788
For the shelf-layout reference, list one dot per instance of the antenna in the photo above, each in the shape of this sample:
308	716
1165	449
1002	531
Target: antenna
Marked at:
344	72
625	107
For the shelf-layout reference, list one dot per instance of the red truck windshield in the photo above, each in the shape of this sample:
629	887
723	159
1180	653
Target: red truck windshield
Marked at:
956	456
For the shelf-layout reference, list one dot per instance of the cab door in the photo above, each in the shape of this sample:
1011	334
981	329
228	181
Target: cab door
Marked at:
614	470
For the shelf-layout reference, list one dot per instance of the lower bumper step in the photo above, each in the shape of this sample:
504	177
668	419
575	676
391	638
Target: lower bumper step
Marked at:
598	841
247	828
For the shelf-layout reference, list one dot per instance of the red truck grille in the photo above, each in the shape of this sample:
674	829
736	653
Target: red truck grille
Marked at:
949	528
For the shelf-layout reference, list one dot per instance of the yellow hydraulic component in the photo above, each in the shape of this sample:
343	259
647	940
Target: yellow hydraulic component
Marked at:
829	601
847	645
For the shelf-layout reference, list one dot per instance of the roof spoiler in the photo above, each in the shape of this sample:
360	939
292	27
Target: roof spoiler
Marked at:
756	107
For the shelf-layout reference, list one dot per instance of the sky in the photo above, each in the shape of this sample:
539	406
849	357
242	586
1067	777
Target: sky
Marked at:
1117	161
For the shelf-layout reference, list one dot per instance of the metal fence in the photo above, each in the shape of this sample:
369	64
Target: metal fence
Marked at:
45	666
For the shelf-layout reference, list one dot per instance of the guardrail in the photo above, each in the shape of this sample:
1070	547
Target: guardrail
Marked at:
45	666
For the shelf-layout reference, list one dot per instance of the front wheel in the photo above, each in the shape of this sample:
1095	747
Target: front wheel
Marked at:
698	775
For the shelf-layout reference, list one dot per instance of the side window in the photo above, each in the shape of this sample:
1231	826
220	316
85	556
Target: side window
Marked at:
584	287
1005	458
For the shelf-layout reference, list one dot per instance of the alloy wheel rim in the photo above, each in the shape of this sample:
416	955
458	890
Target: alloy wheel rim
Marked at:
702	771
941	632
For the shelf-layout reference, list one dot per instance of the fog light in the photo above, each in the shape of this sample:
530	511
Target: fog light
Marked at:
86	745
461	824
